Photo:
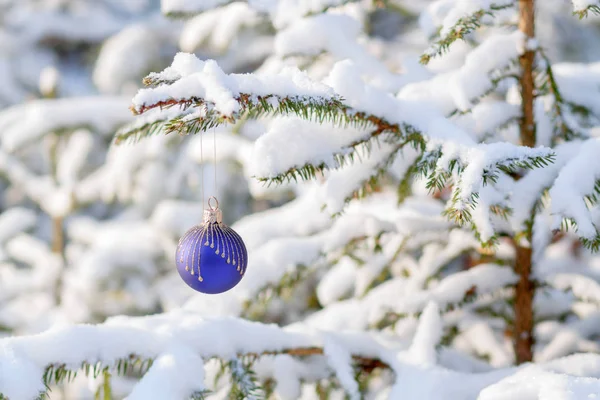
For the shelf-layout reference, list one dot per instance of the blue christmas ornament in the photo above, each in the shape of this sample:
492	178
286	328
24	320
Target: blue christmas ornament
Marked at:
211	258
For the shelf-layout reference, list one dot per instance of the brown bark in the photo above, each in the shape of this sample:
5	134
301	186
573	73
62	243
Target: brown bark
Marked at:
365	363
58	236
525	289
526	25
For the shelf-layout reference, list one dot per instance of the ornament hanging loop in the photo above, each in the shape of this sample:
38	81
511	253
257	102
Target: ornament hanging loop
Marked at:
213	214
210	206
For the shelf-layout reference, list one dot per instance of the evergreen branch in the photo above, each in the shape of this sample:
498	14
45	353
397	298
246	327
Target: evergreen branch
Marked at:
105	388
200	395
568	223
403	190
360	361
192	11
460	211
593	8
561	128
471	298
591	244
496	76
61	373
404	186
130	133
206	116
501	210
245	386
367	186
156	79
463	27
254	308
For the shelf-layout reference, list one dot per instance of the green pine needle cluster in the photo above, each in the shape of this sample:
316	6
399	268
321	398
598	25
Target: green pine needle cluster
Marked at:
567	224
245	383
463	27
199	115
594	9
438	179
200	395
546	85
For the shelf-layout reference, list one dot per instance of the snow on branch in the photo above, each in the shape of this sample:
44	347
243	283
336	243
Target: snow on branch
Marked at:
177	373
533	382
582	287
245	385
472	169
207	97
561	109
279	256
581	8
204	96
281	12
340	36
167	348
463	18
486	66
190	7
400	297
428	336
528	191
578	84
576	190
30	121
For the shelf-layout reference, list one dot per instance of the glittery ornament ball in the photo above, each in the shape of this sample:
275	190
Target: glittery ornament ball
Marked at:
211	258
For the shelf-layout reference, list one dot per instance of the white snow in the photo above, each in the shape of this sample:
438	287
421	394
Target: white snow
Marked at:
579	5
190	6
15	221
176	373
534	383
20	379
28	122
576	180
218	28
578	83
340	360
473	77
49	81
379	280
214	86
291	142
138	46
464	8
427	336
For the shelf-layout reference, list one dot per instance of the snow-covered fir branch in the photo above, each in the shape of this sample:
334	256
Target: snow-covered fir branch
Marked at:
402	241
581	8
224	98
459	20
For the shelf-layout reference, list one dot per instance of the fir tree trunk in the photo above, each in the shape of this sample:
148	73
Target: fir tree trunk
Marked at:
58	233
525	288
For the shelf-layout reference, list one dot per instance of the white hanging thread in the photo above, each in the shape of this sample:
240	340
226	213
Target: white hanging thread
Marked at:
201	173
202	167
215	158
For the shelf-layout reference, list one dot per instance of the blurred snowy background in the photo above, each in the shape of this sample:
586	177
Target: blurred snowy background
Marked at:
88	230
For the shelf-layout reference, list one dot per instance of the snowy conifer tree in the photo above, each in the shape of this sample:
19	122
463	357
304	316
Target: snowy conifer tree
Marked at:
443	226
